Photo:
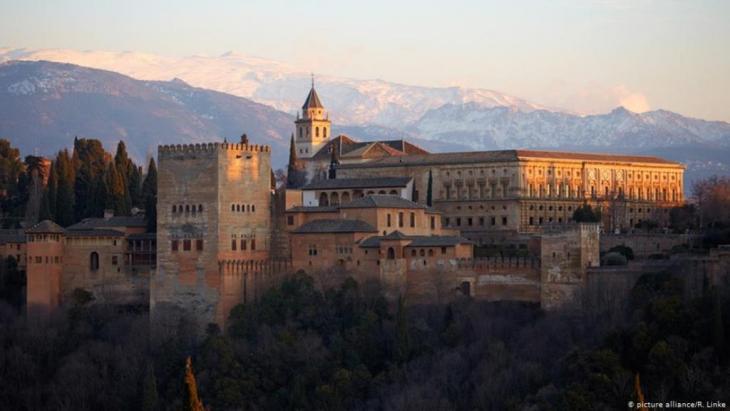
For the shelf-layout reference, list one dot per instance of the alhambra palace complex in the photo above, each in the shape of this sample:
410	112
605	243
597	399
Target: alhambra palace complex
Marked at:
387	211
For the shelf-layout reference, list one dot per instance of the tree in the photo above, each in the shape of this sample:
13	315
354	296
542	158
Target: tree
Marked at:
149	194
191	402
586	214
65	198
294	174
403	341
48	203
90	163
125	168
117	197
429	189
713	199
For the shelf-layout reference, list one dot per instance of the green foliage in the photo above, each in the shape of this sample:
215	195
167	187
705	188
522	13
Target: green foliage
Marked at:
149	194
624	250
80	297
586	214
614	258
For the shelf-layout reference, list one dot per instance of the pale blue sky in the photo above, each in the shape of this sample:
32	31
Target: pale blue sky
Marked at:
582	55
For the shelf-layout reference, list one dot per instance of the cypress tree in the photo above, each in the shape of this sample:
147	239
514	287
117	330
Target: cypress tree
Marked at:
292	171
429	190
48	202
125	168
116	195
65	198
149	194
192	401
134	185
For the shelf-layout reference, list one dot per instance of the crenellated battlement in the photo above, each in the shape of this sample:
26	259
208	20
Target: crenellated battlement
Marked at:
178	149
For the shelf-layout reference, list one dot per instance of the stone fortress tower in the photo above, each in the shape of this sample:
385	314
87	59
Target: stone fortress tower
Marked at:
213	229
312	127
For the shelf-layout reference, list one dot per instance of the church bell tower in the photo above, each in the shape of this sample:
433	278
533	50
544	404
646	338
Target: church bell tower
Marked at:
312	126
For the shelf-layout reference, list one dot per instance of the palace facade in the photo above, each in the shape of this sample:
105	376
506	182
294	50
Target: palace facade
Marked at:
387	211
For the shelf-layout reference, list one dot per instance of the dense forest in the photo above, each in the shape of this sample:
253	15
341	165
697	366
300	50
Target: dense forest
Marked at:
74	186
346	348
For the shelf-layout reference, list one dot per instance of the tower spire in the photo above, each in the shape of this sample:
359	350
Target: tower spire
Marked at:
312	79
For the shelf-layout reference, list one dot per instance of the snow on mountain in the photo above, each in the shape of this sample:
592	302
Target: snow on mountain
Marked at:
281	86
505	127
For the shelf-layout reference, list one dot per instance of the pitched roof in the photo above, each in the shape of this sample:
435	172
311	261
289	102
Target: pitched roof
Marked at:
503	155
335	226
312	209
115	221
45	226
350	148
418	240
12	236
395	235
374	182
382	201
94	233
312	100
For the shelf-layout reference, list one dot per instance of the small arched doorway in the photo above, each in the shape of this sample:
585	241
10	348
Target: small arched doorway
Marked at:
391	253
323	200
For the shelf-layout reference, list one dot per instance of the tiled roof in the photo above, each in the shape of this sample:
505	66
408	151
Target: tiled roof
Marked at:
94	233
418	241
350	148
382	201
12	236
503	155
142	236
316	209
335	226
116	221
45	226
375	182
312	100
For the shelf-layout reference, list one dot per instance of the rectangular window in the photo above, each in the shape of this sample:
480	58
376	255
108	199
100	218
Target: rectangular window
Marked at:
443	250
253	244
174	245
493	220
481	221
233	244
458	221
115	260
433	223
400	219
447	221
413	219
199	244
290	220
243	244
504	220
532	220
388	220
186	245
469	221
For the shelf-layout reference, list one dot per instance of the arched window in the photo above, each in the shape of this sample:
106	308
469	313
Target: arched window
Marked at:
324	132
200	208
316	131
187	208
422	253
300	132
391	253
174	208
345	198
94	261
238	207
334	198
253	208
393	192
323	200
233	207
430	252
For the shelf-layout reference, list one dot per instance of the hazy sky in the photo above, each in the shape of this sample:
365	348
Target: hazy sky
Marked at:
587	56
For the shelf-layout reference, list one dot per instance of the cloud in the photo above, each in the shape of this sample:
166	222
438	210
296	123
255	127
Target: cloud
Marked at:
631	100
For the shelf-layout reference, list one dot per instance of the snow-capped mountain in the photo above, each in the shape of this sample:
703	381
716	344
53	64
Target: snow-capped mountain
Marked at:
505	127
349	101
